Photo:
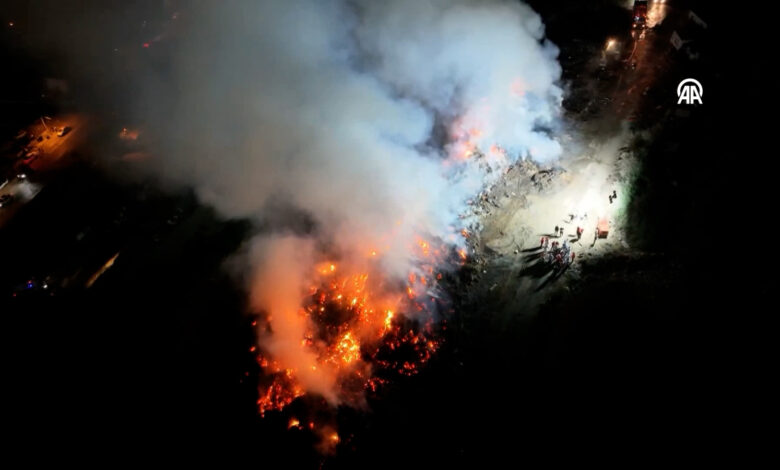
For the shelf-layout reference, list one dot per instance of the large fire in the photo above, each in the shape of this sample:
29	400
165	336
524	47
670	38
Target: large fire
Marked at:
362	327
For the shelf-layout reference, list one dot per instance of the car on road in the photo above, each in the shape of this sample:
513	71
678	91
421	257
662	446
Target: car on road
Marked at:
3	182
30	156
63	131
35	287
640	14
6	200
23	171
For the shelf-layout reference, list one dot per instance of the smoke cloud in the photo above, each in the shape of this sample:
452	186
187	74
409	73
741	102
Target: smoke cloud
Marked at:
331	108
276	287
373	121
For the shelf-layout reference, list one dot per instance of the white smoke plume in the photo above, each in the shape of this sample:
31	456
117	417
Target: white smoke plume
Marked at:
355	114
281	269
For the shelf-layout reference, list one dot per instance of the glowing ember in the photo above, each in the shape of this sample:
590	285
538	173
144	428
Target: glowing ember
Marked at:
354	331
279	394
348	348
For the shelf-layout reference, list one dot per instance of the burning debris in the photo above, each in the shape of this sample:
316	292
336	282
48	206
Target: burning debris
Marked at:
319	121
354	298
363	331
356	328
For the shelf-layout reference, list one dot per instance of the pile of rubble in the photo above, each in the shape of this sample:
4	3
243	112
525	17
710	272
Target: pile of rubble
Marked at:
543	179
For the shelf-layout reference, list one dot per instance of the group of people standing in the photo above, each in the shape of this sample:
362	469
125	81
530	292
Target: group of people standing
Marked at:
555	253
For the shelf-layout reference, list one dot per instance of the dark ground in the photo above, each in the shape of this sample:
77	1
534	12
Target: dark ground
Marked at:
646	357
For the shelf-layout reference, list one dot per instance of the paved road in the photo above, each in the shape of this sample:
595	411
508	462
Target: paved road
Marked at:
53	151
23	191
53	148
648	51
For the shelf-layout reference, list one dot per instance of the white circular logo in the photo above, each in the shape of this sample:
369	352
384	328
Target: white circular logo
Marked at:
689	91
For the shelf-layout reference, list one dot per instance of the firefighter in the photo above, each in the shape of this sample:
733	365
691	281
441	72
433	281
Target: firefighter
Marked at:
614	194
561	231
572	258
610	199
556	230
579	232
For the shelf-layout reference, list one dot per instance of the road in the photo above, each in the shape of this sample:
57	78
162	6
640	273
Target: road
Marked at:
646	51
23	191
52	148
52	154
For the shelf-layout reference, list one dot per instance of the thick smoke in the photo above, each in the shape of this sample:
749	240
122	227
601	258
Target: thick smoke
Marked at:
329	108
282	267
481	62
354	115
